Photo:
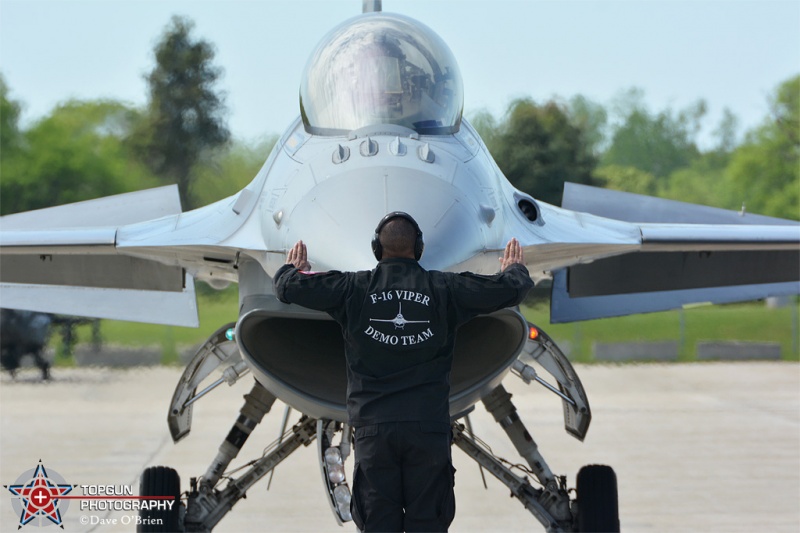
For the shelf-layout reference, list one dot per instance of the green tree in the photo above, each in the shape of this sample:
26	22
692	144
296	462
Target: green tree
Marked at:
486	126
75	153
658	144
628	179
592	119
538	149
11	138
702	182
231	170
10	135
726	132
764	173
185	116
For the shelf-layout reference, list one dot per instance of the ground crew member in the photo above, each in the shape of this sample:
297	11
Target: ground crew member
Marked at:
399	324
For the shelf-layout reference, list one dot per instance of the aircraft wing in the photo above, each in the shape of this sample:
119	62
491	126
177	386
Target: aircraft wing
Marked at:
686	254
65	260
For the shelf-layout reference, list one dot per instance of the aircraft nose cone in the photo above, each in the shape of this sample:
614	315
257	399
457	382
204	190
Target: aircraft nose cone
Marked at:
338	217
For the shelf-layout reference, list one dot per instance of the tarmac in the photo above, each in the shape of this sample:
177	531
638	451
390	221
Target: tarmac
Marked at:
696	447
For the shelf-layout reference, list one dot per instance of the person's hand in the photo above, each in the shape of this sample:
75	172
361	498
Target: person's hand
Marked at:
511	255
298	256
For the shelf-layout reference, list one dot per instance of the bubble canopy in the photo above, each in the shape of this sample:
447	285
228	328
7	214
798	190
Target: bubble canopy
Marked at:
381	68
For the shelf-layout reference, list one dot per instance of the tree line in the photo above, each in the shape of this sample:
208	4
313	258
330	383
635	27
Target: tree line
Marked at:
89	149
628	147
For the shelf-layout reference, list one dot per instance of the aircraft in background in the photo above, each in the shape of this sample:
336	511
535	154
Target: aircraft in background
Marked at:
24	333
381	130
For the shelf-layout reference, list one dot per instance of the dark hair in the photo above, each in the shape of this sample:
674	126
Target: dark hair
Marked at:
398	236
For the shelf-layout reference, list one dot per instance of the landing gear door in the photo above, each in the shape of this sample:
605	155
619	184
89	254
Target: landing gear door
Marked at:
541	348
218	351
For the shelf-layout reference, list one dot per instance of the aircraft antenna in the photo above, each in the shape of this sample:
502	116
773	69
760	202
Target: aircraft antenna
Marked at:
372	6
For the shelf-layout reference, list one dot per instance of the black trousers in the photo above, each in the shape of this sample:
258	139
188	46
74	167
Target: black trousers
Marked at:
403	478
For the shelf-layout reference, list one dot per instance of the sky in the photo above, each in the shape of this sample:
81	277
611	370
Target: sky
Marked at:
732	53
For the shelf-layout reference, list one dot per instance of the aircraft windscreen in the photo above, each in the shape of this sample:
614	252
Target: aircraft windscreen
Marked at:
381	68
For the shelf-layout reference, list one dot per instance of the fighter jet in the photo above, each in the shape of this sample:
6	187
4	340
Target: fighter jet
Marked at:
380	130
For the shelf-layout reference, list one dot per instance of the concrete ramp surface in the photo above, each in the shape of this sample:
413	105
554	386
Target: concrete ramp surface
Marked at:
696	447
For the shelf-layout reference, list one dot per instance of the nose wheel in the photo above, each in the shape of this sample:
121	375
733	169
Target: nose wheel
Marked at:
598	506
158	482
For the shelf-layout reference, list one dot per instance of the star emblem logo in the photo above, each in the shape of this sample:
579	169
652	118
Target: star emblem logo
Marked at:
38	495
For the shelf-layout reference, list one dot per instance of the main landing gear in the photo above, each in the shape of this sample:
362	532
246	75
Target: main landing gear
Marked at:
596	506
209	498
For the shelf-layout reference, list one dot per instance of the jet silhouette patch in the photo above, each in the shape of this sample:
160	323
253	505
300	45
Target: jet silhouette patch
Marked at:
387	309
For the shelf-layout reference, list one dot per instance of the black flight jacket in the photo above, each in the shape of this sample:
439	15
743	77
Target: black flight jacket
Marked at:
399	324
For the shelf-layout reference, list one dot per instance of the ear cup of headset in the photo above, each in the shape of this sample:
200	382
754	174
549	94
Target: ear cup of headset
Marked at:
419	246
377	248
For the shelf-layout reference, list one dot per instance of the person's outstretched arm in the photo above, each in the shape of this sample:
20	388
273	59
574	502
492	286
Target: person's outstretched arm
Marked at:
473	294
293	283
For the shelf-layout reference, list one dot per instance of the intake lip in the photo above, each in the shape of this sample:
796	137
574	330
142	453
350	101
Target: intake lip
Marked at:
300	358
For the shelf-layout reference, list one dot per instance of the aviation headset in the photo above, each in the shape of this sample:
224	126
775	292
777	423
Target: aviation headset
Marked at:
377	247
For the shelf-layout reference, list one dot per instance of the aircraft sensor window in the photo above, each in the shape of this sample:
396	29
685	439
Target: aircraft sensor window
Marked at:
381	68
528	209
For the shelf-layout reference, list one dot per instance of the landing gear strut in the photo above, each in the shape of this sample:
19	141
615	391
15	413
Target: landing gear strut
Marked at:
596	507
207	501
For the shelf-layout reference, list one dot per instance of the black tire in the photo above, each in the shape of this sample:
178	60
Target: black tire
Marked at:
160	481
598	504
